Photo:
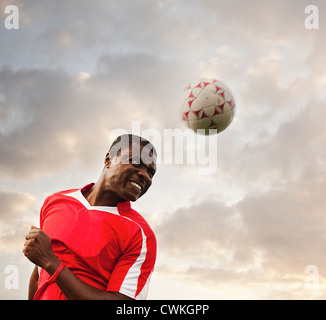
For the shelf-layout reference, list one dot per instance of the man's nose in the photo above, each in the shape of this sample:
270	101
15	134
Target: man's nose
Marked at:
144	173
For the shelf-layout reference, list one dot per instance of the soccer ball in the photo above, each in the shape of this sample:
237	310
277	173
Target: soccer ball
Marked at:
207	104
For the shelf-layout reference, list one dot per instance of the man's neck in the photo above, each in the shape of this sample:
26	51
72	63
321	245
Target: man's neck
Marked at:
96	197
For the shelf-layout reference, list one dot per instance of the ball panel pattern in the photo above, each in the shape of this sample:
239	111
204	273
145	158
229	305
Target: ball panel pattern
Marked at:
207	104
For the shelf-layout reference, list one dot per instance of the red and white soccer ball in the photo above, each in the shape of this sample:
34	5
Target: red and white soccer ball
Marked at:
207	104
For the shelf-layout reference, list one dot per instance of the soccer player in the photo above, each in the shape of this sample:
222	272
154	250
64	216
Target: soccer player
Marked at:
91	245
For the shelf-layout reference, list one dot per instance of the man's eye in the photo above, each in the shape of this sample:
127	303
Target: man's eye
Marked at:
151	173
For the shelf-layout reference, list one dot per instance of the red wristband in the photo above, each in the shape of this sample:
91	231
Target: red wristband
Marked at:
57	272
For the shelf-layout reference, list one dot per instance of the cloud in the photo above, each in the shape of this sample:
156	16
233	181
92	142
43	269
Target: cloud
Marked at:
51	114
266	240
18	212
35	131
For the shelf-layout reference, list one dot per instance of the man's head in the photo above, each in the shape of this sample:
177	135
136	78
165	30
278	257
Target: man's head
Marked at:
130	166
126	141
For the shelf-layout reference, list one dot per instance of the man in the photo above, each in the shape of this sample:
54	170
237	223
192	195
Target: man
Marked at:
91	244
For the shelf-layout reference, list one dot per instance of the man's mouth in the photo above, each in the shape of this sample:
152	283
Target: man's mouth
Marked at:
136	185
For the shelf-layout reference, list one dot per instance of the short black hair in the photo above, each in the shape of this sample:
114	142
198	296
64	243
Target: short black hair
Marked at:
125	141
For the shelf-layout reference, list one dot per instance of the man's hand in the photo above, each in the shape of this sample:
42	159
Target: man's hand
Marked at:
38	249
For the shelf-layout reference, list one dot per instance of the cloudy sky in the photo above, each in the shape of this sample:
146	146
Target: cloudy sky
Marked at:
76	71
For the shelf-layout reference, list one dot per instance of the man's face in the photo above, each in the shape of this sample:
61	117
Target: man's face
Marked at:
132	172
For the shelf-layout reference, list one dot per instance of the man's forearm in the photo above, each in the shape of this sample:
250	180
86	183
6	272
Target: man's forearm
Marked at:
33	283
75	289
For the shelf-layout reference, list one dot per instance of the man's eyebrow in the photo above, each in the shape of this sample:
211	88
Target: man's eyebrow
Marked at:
151	166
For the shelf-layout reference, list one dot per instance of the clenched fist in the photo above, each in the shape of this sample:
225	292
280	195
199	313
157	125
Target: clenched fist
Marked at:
38	248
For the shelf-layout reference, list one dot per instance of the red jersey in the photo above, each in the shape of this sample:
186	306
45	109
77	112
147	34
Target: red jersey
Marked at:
110	248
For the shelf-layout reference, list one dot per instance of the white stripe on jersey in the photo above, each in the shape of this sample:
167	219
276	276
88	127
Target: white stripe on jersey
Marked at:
130	283
143	293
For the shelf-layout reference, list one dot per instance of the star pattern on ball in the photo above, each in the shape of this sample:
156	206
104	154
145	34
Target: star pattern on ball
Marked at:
219	114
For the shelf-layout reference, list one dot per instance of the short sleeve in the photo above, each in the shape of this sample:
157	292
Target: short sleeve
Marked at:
132	272
43	212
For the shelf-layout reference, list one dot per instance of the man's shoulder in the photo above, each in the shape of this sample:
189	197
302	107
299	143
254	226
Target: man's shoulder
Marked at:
70	191
136	217
63	192
58	195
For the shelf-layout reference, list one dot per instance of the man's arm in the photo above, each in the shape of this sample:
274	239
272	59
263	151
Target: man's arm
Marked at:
33	283
38	249
75	289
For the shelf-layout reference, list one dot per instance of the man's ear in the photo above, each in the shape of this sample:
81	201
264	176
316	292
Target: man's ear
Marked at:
107	160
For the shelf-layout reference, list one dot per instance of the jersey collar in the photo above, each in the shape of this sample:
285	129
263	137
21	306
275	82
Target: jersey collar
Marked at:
123	206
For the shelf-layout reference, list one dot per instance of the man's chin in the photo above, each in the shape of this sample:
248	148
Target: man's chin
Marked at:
132	197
